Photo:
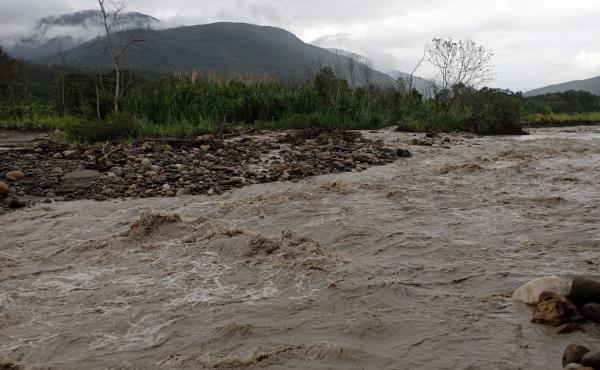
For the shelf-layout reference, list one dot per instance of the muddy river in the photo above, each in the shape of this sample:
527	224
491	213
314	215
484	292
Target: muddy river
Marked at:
405	266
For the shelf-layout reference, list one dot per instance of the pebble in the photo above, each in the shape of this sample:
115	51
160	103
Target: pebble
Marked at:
146	162
4	189
118	171
57	171
71	154
14	175
573	354
182	192
16	203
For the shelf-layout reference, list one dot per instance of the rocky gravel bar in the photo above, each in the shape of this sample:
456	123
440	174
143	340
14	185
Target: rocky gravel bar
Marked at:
45	171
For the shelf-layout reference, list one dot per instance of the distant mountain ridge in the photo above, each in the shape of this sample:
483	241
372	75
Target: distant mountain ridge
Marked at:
55	34
225	48
591	85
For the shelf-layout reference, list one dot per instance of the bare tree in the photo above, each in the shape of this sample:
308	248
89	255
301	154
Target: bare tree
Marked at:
112	20
339	78
366	70
353	64
459	64
406	82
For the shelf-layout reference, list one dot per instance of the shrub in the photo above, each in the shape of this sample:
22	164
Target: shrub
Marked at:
117	126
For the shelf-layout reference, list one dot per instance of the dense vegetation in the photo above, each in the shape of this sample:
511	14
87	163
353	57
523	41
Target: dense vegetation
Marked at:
79	102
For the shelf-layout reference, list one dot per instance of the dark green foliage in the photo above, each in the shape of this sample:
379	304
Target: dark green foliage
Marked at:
117	126
493	111
566	102
79	102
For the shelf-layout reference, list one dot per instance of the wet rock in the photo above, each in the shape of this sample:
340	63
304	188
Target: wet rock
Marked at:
4	189
591	311
578	319
591	359
118	171
71	154
16	203
57	156
552	310
403	153
573	367
182	192
570	328
77	179
147	146
165	148
584	291
529	293
146	162
57	171
421	142
10	364
573	354
14	175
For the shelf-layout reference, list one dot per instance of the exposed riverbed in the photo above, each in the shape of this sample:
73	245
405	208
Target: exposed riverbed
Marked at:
410	265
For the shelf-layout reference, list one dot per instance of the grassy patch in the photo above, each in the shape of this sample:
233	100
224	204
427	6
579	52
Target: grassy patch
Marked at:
565	117
39	123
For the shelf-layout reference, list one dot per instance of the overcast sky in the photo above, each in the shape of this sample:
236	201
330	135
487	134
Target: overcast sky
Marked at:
535	42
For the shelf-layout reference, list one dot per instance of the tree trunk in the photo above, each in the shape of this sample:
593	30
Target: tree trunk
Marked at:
117	89
98	102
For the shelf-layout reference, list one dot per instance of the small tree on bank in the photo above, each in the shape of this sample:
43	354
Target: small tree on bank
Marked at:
111	20
460	65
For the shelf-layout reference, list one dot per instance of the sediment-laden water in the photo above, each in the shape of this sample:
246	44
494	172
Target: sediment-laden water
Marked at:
404	266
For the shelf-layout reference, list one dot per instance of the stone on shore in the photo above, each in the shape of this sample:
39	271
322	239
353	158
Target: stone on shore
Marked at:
71	154
584	291
591	311
14	175
591	359
570	328
4	189
573	354
529	293
553	310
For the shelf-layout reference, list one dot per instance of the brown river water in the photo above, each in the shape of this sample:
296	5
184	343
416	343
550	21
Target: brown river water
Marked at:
405	266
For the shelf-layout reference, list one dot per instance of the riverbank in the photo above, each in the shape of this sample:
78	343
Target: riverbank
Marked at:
36	168
407	265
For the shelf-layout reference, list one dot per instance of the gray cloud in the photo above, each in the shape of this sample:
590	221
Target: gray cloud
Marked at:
535	42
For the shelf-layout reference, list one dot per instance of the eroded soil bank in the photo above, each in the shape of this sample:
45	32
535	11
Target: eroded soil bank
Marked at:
405	266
